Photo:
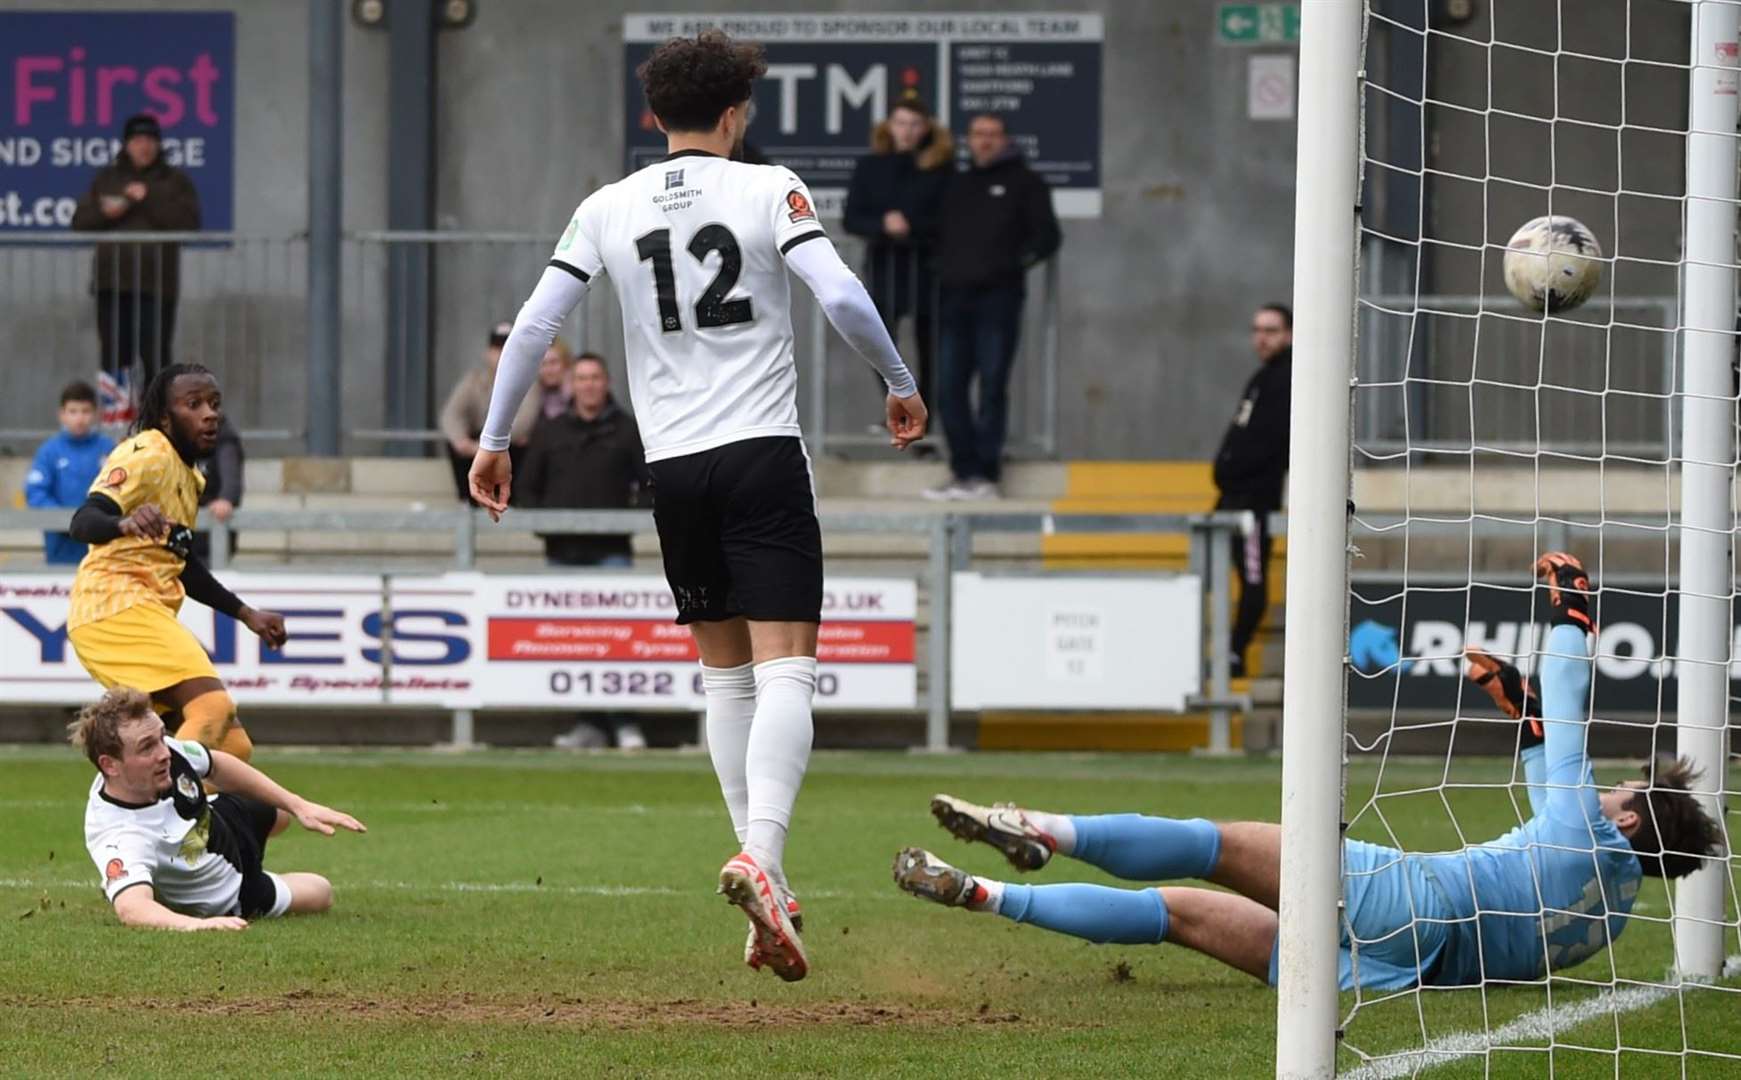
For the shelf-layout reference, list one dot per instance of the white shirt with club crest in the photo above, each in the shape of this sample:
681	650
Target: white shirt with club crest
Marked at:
164	844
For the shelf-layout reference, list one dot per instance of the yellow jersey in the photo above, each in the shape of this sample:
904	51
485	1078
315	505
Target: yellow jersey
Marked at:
130	570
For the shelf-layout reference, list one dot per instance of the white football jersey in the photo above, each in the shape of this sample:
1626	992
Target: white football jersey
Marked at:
695	246
165	844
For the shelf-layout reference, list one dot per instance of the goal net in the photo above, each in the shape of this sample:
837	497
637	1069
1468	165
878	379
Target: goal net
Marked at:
1483	433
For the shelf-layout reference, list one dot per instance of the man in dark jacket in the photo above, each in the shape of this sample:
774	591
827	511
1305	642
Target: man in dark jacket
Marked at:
1252	464
997	222
894	202
223	491
136	285
589	458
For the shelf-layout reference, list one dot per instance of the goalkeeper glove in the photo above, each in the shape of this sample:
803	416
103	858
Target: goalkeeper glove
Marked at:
1568	589
1508	689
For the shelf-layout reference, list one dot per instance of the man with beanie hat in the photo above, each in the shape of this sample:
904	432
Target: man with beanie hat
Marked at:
136	284
467	405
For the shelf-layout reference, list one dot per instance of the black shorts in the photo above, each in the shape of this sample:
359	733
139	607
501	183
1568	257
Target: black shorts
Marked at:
738	532
248	825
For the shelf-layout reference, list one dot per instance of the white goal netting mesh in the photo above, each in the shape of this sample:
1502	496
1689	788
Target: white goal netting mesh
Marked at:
1487	434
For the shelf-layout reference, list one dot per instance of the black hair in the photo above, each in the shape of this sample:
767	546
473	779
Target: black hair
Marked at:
154	403
78	390
1674	834
689	82
1286	312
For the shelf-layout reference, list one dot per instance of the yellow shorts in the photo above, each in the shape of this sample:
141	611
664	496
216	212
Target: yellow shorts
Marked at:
144	647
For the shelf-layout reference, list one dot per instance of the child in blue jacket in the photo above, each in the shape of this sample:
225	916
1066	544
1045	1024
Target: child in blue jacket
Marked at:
66	465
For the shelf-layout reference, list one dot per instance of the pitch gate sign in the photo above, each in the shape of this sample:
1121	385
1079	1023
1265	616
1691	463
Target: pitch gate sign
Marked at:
1409	657
469	640
832	77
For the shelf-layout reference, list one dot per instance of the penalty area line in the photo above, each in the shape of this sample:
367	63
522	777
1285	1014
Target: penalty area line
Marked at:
1544	1023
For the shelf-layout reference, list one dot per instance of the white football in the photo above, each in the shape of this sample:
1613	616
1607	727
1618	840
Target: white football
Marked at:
1553	264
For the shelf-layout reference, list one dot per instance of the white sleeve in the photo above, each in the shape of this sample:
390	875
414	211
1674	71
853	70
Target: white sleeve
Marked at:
194	753
125	859
849	309
556	294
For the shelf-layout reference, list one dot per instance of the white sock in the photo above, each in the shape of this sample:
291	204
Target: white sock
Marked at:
779	752
1058	826
993	902
731	707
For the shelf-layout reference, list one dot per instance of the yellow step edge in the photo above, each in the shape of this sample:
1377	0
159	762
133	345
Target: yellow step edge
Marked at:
1165	732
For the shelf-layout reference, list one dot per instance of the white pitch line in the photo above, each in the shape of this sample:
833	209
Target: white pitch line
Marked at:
1544	1023
477	887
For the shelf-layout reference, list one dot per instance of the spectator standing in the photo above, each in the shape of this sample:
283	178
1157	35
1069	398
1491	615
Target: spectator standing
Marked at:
894	202
65	467
136	285
588	459
555	395
997	222
1252	465
223	491
462	417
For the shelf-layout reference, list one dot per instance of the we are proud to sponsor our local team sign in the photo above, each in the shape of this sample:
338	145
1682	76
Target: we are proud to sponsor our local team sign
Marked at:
468	640
69	80
832	77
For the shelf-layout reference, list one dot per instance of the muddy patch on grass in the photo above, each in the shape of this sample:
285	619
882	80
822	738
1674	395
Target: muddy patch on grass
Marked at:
556	1010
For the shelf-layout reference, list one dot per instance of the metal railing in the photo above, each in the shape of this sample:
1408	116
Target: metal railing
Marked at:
1460	374
949	548
241	309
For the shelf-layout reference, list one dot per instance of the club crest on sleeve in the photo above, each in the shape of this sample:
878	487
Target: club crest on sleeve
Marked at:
184	784
115	871
117	476
799	206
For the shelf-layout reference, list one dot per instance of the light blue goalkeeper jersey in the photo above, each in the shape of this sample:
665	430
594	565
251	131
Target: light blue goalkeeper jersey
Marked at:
1557	889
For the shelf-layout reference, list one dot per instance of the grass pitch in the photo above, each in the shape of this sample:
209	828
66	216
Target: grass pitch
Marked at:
532	914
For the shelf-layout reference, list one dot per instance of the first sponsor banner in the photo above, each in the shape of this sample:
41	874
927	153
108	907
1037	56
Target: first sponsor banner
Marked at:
71	79
469	641
832	78
1406	645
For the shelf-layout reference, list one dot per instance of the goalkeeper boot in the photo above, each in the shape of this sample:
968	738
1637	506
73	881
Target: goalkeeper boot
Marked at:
1002	825
776	944
922	874
752	953
1569	590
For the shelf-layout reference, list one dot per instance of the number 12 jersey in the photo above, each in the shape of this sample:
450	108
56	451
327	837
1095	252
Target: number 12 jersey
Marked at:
695	246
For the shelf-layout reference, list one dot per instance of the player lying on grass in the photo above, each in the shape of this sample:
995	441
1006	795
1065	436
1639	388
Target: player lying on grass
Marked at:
139	521
171	859
1562	882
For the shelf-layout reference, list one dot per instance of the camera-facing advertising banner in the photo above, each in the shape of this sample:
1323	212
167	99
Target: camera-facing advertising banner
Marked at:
1405	645
469	640
70	80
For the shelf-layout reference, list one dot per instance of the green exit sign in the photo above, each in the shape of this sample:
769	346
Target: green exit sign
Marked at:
1258	24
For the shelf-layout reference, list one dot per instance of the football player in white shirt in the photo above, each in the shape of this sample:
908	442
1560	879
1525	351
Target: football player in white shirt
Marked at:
698	245
169	857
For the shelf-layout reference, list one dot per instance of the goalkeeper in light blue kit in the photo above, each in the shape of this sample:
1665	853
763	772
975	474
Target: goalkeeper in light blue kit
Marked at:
1547	895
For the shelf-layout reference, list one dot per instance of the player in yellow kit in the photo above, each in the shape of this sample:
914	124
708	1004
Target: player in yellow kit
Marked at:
138	519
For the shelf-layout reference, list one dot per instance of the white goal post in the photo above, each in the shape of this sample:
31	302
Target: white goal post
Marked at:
1697	450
